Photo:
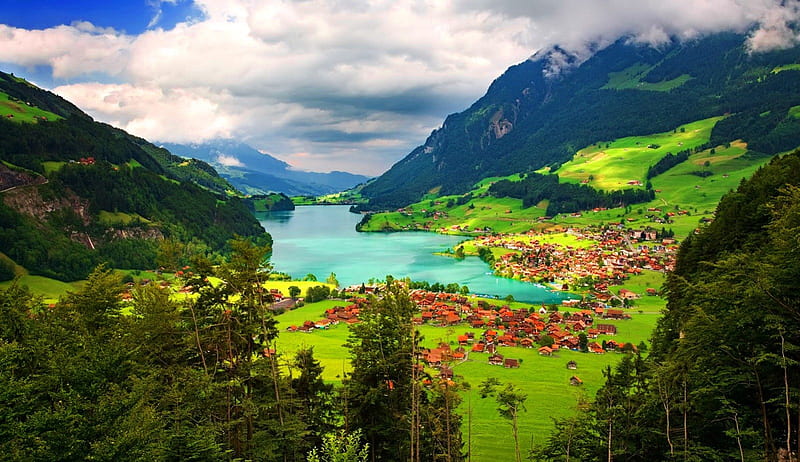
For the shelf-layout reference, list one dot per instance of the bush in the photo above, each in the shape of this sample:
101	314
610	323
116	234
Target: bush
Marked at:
6	270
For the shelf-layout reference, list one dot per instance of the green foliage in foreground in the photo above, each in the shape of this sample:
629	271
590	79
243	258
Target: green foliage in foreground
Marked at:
200	378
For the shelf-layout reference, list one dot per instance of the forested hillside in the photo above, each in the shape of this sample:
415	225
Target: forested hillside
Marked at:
76	193
530	117
721	382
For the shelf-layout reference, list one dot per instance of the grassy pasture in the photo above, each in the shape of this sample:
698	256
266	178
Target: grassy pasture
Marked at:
631	79
786	67
21	112
120	218
50	289
544	379
611	165
504	215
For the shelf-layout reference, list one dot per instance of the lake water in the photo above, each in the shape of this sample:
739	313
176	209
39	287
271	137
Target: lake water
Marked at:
322	239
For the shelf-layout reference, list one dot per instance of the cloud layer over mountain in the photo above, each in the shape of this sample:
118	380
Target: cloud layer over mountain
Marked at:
339	84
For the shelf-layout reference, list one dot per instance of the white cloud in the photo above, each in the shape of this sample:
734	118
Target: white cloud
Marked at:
229	161
349	84
775	31
177	115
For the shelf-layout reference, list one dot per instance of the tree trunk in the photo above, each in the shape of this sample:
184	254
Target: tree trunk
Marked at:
786	394
769	444
738	436
665	402
515	434
685	422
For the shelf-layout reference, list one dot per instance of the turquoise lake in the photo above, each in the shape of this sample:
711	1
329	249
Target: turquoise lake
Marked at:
322	239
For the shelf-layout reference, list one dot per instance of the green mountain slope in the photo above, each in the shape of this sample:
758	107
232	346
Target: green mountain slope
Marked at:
530	118
684	191
76	193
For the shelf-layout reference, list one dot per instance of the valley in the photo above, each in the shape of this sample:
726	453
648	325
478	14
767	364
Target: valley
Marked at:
595	260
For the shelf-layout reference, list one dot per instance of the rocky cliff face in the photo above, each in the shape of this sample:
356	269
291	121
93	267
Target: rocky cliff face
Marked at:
28	200
10	179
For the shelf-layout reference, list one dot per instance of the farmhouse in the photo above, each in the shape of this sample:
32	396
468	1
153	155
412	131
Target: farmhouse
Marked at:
575	381
607	329
496	360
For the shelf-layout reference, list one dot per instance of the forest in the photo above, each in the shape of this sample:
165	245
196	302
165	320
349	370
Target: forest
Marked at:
566	197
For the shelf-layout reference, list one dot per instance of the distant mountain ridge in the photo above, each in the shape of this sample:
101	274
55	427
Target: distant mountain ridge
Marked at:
254	172
533	116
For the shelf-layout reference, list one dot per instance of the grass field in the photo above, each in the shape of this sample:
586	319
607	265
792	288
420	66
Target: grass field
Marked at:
50	289
611	165
544	379
119	218
631	79
21	112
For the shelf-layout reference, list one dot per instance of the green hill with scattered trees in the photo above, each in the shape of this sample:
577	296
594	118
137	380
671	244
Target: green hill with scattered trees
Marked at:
76	193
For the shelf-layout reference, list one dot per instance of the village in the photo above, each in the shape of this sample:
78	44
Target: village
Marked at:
613	254
492	333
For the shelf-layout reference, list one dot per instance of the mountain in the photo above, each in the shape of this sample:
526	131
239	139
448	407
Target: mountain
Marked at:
75	193
538	114
257	173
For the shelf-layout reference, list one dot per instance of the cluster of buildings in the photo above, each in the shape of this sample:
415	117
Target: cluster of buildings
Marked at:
615	254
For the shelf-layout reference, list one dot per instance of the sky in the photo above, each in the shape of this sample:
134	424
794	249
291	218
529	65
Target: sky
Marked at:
325	85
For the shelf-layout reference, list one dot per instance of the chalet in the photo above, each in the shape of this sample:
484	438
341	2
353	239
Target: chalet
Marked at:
478	324
509	363
652	292
607	329
595	347
322	324
445	372
450	319
572	343
575	381
572	365
545	351
496	360
615	314
526	342
479	347
627	294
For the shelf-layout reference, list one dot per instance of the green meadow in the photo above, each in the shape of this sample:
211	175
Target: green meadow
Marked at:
21	112
49	289
611	165
544	379
631	79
